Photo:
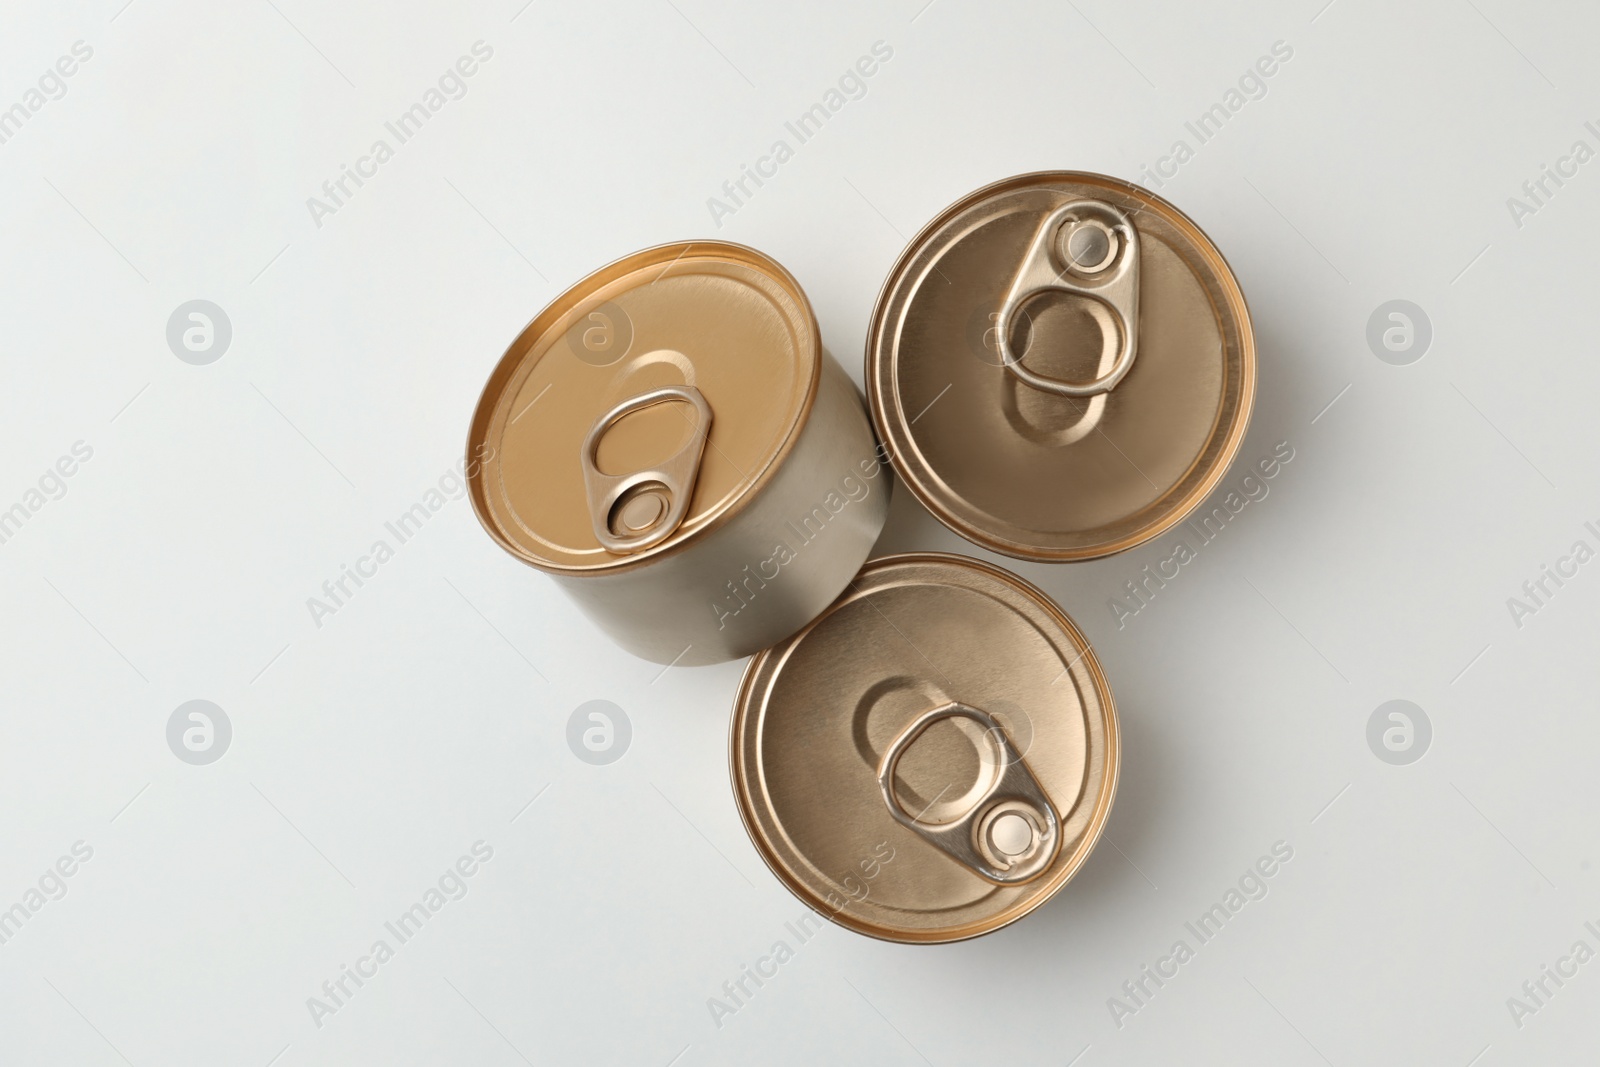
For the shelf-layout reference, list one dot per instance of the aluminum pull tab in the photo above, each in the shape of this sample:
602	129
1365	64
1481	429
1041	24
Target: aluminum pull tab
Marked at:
631	512
1087	248
1012	833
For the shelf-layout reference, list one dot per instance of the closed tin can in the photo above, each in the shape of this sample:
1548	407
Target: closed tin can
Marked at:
669	441
1061	366
931	758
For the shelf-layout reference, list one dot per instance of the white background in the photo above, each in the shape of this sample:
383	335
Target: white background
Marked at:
372	751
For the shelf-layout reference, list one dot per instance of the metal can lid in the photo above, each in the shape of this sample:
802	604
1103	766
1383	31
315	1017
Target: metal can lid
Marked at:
1062	366
932	757
643	407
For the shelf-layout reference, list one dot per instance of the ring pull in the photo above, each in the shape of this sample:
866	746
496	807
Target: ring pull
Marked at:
634	511
1087	248
1012	833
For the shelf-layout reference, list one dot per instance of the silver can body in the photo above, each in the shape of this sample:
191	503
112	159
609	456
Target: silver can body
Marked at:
774	565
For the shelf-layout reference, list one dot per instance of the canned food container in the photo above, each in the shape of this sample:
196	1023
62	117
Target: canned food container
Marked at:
931	758
1061	366
669	441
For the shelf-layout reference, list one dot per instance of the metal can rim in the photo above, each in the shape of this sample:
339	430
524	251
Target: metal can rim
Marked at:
886	420
510	362
738	773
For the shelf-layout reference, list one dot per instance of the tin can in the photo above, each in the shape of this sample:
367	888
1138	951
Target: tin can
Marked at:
669	441
931	758
1061	366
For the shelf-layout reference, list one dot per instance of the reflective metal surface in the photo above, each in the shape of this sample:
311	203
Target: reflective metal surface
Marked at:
1062	366
1090	249
941	712
670	442
1011	832
769	569
640	509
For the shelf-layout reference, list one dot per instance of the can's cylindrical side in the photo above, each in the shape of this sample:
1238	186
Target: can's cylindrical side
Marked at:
774	566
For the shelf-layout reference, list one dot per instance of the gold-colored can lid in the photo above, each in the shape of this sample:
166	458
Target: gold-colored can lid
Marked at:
1062	366
643	406
931	758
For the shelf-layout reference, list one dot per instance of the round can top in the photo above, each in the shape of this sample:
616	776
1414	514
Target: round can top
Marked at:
643	406
1061	365
932	757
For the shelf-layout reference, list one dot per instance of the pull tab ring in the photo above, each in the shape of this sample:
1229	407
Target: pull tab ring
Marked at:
1087	248
634	511
1011	834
